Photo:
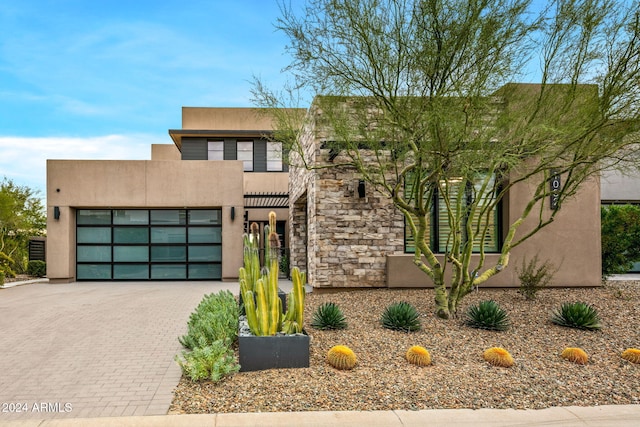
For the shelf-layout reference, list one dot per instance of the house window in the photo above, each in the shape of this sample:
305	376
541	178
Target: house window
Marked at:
439	232
245	153
274	156
215	150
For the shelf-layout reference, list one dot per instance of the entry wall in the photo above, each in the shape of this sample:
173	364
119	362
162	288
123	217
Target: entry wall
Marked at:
73	184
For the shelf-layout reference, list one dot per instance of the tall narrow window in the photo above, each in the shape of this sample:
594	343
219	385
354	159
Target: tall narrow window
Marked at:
274	156
478	221
439	233
215	150
409	240
245	153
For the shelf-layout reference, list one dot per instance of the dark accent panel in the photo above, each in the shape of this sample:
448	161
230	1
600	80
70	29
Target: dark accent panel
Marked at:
37	250
230	149
285	159
194	149
259	155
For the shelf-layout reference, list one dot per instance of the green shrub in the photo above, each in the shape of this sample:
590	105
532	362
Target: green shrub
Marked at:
208	361
37	268
534	277
620	238
401	316
487	315
215	318
329	316
5	265
1	278
577	315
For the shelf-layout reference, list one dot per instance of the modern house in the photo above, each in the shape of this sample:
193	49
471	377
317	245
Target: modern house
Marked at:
347	235
180	215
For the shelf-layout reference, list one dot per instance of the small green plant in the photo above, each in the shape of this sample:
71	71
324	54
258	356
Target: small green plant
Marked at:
284	264
487	315
215	318
329	316
534	276
577	315
37	268
620	238
401	316
341	357
1	278
208	361
5	265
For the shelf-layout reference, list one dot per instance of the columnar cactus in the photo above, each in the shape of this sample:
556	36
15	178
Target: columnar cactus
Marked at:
259	286
294	319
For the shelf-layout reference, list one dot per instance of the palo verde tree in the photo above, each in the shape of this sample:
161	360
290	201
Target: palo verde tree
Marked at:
415	96
21	216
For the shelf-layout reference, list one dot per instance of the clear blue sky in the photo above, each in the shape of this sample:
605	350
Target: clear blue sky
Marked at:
103	79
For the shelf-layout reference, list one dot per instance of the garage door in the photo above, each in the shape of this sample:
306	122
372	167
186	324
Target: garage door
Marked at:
148	244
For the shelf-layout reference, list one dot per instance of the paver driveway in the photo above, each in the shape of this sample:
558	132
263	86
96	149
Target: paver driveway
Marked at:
93	349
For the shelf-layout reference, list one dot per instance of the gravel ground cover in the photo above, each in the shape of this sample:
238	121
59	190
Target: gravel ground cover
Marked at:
458	377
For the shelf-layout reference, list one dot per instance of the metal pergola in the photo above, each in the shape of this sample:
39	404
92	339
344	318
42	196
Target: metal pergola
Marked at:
266	200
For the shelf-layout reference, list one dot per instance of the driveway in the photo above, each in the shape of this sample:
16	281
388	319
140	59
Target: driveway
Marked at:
93	349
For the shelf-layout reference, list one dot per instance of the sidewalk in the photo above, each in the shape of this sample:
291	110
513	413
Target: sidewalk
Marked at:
573	416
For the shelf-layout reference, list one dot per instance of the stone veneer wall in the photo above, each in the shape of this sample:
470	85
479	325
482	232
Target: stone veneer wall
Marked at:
347	237
353	235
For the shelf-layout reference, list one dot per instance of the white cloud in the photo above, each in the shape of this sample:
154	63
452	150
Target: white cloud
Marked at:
24	159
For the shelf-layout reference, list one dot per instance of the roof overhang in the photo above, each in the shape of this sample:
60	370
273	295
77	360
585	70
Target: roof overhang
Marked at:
177	134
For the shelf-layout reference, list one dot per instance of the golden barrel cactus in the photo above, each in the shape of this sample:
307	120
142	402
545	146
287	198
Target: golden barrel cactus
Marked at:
418	356
632	355
575	355
341	357
498	356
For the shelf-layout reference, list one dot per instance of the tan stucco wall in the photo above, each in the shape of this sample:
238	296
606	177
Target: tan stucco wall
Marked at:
620	188
165	152
110	184
571	242
203	118
266	182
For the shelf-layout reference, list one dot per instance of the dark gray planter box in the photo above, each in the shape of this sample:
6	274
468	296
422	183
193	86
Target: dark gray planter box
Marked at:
274	352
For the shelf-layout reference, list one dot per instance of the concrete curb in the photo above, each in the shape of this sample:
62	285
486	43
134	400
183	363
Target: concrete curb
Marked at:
571	416
24	282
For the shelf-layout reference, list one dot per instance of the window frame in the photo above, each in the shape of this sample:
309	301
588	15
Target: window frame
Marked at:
217	152
247	164
435	231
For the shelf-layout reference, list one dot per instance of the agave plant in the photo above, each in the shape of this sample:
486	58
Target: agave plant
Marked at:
329	316
487	315
401	316
577	315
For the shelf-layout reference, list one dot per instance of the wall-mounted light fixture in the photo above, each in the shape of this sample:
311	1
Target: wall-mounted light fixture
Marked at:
233	213
361	189
56	212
